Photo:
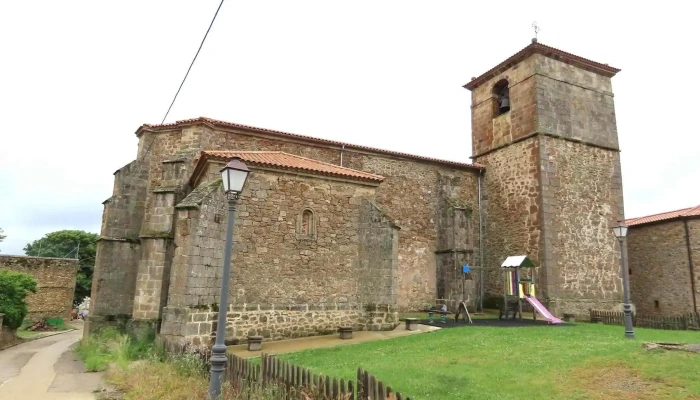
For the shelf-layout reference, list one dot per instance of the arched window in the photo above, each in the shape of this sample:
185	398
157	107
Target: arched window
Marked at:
306	218
501	94
306	224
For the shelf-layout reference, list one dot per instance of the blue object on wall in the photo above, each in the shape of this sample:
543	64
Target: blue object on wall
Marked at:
465	269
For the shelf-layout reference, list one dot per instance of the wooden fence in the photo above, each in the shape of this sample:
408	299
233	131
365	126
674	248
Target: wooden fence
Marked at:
294	382
290	382
687	321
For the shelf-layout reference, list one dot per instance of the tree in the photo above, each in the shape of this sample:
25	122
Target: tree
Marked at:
13	290
2	237
70	244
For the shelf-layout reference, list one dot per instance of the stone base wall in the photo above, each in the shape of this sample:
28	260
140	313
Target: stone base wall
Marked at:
581	307
273	322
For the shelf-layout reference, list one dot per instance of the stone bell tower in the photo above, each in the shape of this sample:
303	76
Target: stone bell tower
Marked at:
543	124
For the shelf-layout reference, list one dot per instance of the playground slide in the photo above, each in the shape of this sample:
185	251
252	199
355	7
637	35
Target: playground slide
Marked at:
542	310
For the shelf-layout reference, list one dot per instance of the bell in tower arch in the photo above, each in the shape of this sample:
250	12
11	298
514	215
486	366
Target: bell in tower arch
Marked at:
504	100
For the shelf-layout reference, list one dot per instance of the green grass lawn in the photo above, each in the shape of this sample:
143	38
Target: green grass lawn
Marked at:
586	361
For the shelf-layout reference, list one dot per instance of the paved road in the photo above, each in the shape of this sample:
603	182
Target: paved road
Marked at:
46	369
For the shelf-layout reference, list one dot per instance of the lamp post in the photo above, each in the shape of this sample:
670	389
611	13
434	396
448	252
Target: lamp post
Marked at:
620	232
234	176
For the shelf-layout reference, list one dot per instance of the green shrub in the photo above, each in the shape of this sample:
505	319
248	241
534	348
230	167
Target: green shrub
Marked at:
189	364
111	346
493	302
13	290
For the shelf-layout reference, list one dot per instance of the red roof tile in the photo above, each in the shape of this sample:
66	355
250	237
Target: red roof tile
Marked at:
678	214
538	48
278	159
311	139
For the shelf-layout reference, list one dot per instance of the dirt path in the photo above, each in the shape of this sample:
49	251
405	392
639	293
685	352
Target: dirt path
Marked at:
318	342
46	369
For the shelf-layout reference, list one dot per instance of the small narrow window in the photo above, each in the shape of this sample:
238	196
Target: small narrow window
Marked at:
306	224
501	93
306	218
217	218
656	305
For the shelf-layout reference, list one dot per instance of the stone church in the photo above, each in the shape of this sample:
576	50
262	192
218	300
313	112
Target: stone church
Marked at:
330	233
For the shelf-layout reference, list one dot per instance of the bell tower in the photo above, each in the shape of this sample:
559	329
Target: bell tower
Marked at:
543	124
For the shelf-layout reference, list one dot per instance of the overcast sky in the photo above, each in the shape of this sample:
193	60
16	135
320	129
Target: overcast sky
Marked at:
77	78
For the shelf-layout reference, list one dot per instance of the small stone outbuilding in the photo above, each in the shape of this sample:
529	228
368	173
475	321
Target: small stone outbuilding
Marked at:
664	262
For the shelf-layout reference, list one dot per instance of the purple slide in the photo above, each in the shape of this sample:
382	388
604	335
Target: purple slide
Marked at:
542	310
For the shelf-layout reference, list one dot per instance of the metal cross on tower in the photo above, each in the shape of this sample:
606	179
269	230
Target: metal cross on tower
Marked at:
536	28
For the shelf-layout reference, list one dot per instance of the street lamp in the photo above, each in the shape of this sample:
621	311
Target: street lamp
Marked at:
620	232
234	176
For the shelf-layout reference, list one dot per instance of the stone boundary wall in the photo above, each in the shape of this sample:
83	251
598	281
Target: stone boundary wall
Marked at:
55	278
197	326
581	307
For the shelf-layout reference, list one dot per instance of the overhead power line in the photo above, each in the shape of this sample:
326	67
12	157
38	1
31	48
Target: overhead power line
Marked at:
193	60
145	153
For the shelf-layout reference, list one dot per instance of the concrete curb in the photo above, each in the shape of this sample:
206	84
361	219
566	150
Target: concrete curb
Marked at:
37	338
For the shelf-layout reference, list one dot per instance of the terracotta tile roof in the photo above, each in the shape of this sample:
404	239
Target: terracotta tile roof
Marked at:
678	214
281	160
538	48
224	124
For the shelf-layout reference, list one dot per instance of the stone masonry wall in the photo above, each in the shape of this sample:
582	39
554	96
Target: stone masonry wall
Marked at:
411	196
55	279
419	219
113	280
377	269
273	322
153	279
409	193
694	232
582	201
490	131
659	270
511	204
575	104
123	211
296	268
272	260
457	236
118	250
199	242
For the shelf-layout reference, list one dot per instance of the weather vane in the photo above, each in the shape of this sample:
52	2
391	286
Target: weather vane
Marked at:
536	28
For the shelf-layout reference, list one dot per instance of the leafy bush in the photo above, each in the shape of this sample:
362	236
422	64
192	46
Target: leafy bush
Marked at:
493	302
13	291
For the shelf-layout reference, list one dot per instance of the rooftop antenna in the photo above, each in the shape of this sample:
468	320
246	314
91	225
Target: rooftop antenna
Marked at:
537	29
